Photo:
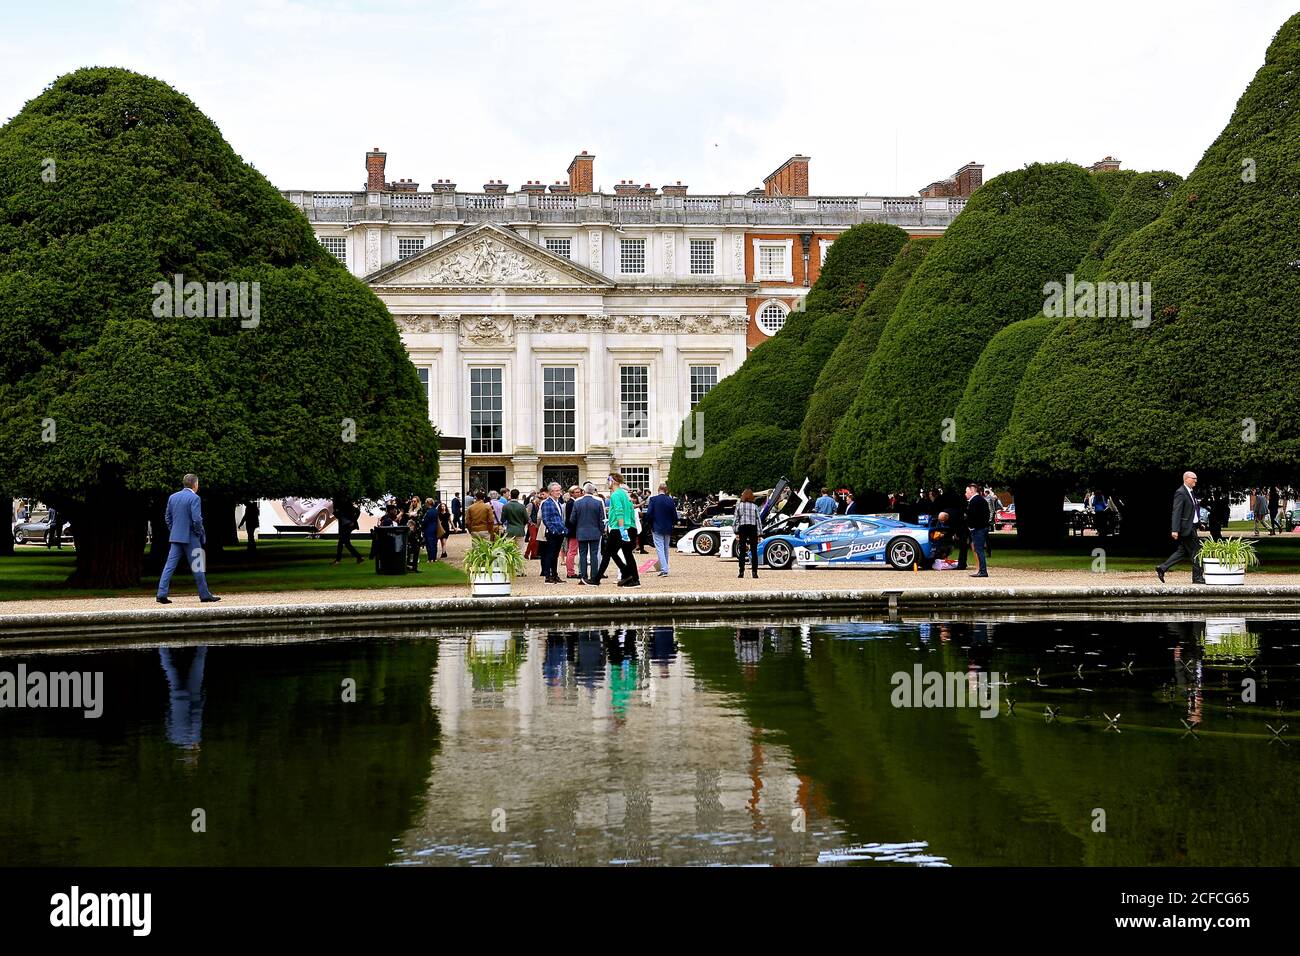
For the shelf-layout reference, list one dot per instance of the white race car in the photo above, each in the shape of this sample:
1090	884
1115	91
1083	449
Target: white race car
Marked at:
708	539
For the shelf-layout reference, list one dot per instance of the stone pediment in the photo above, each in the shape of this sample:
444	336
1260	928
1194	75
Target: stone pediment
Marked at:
487	255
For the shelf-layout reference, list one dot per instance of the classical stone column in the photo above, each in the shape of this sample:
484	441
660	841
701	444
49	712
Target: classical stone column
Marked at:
670	402
451	420
599	409
523	400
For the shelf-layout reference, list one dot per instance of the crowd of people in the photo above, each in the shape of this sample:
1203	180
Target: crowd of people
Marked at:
580	527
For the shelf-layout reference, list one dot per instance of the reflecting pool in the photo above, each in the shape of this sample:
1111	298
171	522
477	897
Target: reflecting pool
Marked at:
1033	741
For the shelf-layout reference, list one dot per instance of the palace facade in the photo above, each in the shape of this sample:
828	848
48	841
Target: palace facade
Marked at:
564	332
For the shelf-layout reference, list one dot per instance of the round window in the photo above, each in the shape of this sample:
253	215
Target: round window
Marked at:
771	318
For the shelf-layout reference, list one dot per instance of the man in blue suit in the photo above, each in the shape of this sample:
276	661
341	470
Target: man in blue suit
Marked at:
185	533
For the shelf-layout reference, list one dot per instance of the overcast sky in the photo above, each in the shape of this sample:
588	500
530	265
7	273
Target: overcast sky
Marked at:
885	97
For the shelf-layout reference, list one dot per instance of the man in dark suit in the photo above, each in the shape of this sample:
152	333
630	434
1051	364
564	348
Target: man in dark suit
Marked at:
1186	514
977	521
187	538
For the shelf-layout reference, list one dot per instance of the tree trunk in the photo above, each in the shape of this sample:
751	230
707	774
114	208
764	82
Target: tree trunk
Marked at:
110	530
219	526
7	542
158	545
1145	514
1039	515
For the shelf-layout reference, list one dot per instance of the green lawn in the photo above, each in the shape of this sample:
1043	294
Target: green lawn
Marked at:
1277	555
286	565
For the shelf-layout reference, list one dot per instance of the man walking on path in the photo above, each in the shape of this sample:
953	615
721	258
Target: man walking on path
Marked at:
515	517
661	516
187	538
1186	514
977	520
618	542
457	514
348	514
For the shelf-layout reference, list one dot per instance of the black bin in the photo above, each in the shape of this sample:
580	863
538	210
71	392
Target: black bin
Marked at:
390	548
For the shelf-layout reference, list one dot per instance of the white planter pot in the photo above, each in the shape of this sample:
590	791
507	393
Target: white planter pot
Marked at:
496	584
1216	573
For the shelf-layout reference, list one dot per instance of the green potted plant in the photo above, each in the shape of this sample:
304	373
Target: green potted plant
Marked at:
1226	561
491	564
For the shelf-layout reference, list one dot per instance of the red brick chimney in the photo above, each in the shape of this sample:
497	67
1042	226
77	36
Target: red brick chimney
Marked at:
789	179
560	187
495	186
375	161
959	185
678	190
625	187
582	173
443	186
969	178
533	187
1109	164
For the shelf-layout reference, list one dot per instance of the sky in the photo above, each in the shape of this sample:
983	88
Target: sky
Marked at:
885	97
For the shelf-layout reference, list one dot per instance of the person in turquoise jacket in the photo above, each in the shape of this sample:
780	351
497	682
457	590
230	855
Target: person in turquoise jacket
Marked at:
618	538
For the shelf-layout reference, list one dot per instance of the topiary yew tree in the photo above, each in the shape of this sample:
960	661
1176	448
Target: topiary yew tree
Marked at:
771	388
1206	385
985	409
1146	197
1018	231
113	182
842	374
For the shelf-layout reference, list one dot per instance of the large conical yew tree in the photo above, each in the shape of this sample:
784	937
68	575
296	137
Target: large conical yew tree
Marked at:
769	392
1017	232
985	409
842	374
1207	384
110	183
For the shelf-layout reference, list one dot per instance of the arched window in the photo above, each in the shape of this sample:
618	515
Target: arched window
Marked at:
771	317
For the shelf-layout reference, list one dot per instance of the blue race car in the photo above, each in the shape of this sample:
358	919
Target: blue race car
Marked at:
853	540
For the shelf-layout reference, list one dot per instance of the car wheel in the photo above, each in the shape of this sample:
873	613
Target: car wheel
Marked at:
18	538
903	553
322	519
778	555
706	543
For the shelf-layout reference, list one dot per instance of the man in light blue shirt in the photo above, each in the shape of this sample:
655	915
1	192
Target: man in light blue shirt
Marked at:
825	504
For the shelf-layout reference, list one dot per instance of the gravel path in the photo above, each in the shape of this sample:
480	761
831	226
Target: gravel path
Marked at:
689	574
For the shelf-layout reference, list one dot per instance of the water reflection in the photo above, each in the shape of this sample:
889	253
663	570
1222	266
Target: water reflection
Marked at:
185	693
768	743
